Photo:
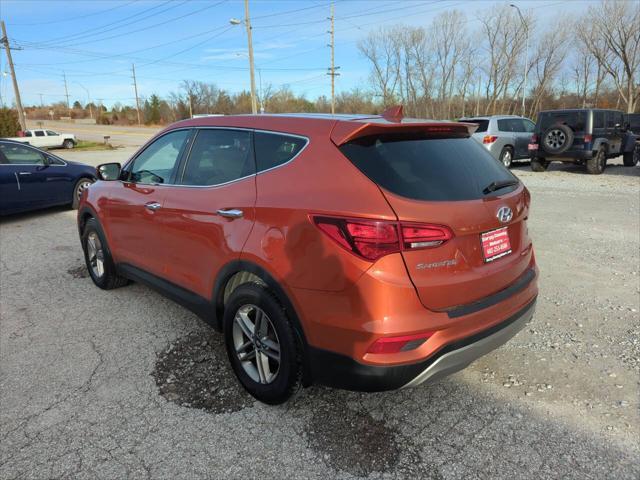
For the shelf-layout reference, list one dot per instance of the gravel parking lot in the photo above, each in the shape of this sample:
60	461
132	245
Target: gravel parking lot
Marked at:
125	383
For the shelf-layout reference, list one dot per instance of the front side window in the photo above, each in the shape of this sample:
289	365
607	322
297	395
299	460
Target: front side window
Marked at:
273	149
158	162
39	133
219	156
19	155
52	133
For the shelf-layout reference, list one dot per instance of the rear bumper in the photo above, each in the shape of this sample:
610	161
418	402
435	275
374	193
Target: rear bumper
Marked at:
340	371
569	156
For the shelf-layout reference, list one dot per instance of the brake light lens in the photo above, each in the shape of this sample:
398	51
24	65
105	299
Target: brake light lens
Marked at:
489	139
404	343
372	239
588	138
534	138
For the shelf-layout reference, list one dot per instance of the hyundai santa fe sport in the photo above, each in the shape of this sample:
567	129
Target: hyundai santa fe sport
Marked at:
361	252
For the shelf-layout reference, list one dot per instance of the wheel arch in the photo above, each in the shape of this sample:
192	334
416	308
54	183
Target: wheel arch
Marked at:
239	272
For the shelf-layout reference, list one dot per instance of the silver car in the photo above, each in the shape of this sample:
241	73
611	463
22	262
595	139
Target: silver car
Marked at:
506	137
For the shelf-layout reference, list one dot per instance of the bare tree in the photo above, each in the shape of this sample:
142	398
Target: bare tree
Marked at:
547	62
379	49
614	40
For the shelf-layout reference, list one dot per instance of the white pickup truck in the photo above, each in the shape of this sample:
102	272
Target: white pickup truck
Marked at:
47	139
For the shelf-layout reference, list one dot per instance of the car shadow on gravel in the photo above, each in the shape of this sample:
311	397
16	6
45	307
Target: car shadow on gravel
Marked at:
33	215
432	431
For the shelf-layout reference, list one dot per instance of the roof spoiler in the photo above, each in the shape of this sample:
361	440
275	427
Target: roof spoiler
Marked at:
347	131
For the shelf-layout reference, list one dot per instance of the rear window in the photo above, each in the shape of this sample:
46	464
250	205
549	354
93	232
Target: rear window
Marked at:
482	124
575	120
273	149
444	169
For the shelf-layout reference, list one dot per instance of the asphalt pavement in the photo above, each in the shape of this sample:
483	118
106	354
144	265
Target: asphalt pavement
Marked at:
127	384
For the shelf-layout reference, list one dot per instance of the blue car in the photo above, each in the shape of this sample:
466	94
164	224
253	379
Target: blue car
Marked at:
31	179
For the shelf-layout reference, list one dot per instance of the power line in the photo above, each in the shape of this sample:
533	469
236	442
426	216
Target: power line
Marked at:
74	19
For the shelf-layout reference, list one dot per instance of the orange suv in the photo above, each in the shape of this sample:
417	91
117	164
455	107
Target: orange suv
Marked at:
361	252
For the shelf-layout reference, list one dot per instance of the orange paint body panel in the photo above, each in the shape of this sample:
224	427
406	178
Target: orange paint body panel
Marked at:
342	301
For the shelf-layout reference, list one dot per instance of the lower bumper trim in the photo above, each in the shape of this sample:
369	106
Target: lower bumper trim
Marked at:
341	371
460	358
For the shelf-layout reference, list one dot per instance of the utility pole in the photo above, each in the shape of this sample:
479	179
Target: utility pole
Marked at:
41	102
16	90
66	91
135	88
247	21
332	69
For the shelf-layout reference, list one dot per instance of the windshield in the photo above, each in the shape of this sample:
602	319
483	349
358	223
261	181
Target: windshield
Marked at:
437	169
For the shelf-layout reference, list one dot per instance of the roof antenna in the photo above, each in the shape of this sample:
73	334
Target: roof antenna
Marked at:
393	114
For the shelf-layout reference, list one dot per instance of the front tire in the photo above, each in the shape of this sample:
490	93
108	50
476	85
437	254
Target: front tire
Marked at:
539	164
68	144
97	256
261	344
597	163
81	186
506	156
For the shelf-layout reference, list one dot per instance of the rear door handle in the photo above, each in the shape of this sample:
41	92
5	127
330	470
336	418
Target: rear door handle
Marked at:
231	213
24	173
153	206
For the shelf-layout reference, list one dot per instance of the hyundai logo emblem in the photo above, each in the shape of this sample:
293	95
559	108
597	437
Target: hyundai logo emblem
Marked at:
504	214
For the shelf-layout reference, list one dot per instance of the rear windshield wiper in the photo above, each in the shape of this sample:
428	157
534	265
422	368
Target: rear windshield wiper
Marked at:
493	186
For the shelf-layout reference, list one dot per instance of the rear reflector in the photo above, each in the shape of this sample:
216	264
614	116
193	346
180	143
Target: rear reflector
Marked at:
489	139
372	239
399	344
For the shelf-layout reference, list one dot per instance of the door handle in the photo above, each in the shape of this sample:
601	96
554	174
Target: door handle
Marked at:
231	213
24	173
153	206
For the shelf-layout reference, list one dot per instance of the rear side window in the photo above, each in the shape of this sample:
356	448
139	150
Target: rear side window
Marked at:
444	169
219	156
39	133
273	149
598	119
482	124
506	125
575	120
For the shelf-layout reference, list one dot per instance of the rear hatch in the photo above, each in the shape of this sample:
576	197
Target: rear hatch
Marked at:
576	120
443	179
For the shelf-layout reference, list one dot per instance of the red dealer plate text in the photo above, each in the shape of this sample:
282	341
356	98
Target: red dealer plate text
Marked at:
495	244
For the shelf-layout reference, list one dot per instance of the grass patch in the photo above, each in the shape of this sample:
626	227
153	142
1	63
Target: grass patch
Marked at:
88	145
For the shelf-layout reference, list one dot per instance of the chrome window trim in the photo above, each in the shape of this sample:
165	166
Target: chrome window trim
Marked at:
250	130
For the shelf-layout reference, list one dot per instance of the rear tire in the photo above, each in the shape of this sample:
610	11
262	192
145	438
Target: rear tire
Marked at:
261	344
98	258
539	164
630	159
506	156
597	163
81	186
68	144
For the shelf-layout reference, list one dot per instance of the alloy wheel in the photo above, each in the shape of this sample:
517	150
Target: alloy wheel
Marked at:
506	158
82	186
256	344
95	254
555	138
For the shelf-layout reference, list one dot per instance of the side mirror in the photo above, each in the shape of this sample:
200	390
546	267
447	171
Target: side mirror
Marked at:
109	171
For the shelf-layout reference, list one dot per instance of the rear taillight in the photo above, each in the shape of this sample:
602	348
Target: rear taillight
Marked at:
372	239
404	343
534	138
489	139
588	138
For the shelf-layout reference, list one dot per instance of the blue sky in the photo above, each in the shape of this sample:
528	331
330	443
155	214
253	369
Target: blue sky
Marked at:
95	42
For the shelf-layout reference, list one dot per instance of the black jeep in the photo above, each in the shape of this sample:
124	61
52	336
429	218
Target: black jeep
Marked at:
582	136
